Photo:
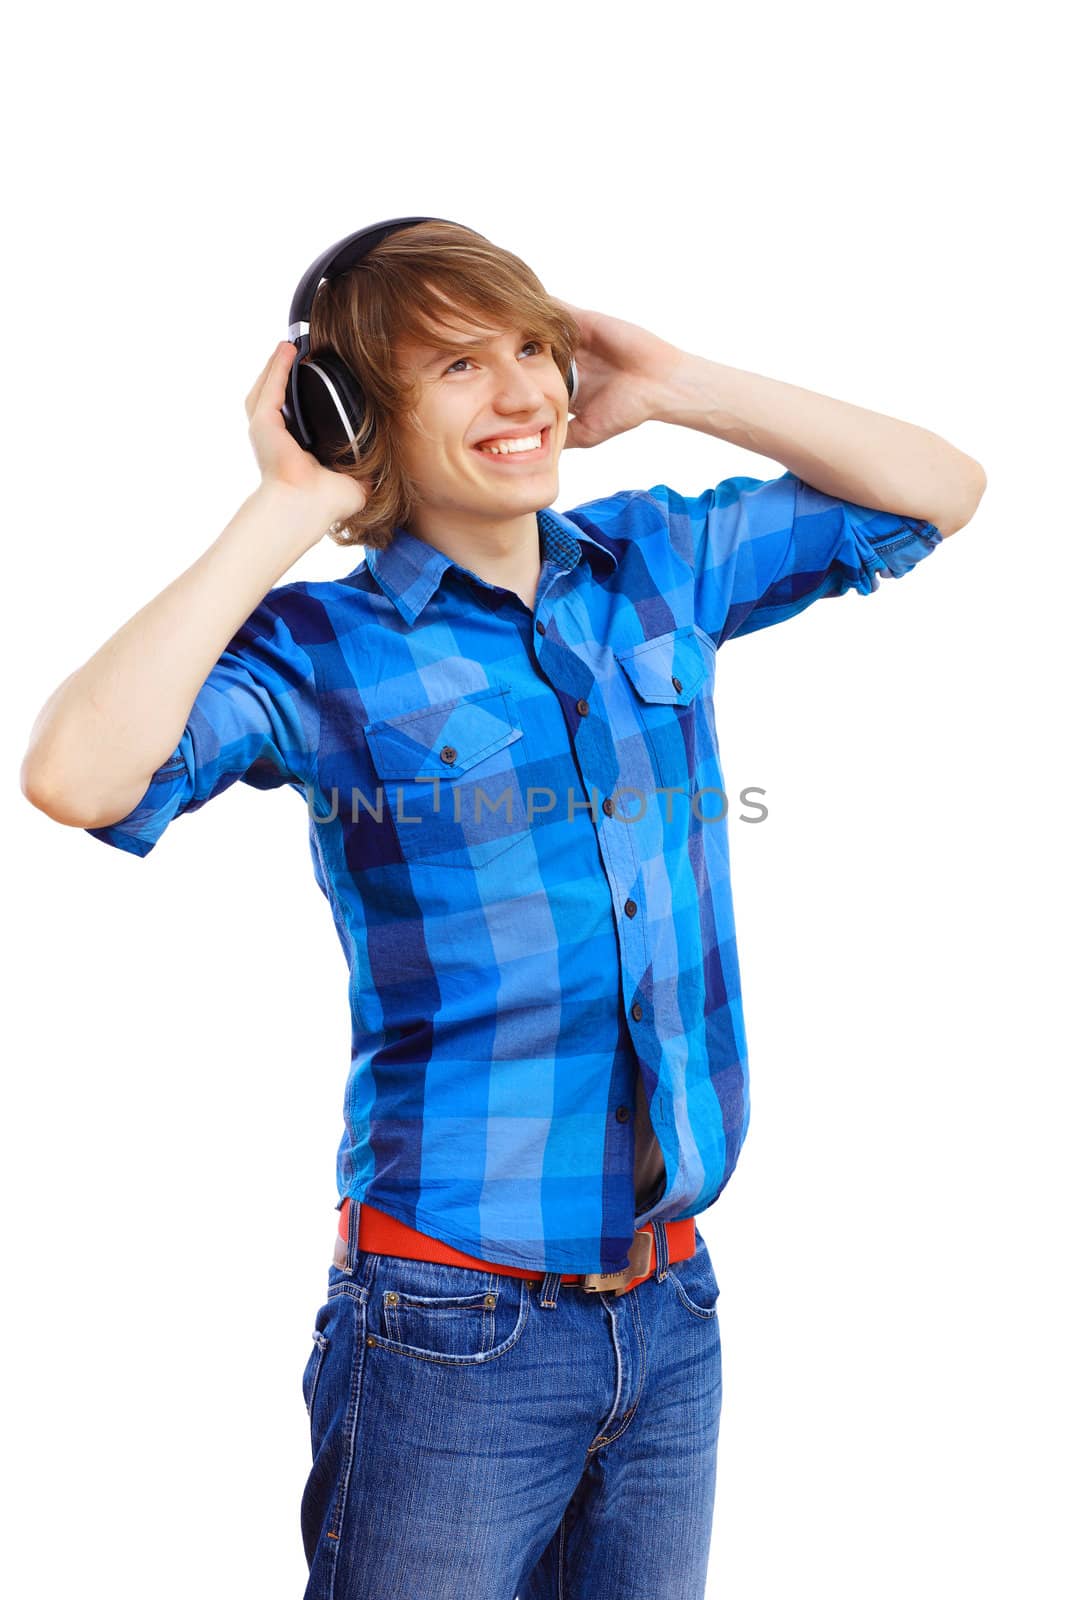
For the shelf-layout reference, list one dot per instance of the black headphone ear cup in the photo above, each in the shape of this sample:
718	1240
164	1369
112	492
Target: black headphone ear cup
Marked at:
332	407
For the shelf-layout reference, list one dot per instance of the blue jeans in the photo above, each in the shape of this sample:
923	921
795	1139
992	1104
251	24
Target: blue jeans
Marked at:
487	1437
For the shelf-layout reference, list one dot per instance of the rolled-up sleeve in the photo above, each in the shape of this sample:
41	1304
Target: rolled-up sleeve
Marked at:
763	550
254	720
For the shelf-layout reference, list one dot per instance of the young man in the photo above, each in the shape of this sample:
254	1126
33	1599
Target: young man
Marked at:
503	722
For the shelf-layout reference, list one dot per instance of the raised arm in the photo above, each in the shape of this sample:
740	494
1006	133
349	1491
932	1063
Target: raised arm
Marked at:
843	451
107	727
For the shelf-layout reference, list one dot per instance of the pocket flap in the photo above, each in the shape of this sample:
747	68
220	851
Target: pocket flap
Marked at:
446	740
666	670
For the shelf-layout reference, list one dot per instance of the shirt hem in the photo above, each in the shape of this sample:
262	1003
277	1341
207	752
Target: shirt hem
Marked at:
477	1247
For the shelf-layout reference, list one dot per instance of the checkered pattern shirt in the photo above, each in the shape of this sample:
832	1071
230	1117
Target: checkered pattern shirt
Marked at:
518	821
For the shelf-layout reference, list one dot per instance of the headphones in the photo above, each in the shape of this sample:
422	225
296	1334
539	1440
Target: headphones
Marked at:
324	407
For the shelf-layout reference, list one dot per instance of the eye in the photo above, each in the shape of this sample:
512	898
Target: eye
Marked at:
536	343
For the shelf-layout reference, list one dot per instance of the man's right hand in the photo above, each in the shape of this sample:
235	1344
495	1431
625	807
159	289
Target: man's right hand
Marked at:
281	459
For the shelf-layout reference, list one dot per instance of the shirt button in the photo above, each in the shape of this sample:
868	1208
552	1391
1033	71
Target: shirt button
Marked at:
609	806
583	708
539	625
621	1113
635	1011
448	754
677	684
630	908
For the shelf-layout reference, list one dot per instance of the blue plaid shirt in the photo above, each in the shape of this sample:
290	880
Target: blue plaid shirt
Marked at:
515	820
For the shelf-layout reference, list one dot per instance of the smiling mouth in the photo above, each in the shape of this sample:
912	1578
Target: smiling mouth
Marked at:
510	457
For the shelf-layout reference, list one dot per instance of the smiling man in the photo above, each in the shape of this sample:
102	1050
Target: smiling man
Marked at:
482	450
503	722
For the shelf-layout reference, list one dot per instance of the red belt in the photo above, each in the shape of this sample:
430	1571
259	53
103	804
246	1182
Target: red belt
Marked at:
381	1234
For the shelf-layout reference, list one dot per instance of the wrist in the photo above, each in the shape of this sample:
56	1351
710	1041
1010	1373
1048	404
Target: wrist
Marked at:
298	516
686	396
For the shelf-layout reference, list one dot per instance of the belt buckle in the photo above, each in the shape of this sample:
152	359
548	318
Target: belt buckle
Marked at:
637	1265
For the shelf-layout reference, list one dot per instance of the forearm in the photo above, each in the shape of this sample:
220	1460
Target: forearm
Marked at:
103	732
841	449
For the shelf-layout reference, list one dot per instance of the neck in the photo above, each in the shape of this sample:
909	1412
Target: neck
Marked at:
504	551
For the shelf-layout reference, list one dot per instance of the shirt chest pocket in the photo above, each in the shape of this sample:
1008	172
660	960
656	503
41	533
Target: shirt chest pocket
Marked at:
672	677
449	775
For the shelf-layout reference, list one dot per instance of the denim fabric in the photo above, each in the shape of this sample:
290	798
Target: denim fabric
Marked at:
489	1437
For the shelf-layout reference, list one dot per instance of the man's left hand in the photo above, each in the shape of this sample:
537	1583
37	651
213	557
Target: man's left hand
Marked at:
623	372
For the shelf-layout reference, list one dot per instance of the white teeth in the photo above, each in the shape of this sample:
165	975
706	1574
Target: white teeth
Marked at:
509	447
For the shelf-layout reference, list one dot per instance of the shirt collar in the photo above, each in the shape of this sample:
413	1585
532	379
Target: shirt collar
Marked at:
409	570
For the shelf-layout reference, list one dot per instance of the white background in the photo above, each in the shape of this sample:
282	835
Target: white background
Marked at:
856	199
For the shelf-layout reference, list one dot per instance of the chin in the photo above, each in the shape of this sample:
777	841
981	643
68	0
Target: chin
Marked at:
537	496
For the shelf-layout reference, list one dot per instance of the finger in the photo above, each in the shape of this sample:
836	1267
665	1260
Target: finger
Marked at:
253	394
579	436
276	361
278	372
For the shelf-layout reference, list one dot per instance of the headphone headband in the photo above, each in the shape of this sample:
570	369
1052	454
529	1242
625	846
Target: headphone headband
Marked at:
346	253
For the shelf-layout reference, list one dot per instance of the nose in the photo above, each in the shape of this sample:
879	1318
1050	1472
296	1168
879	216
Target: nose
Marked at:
517	389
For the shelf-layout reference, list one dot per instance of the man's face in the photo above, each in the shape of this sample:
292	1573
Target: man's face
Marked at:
499	383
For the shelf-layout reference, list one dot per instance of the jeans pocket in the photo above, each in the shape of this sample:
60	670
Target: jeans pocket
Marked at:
320	1345
695	1282
459	1316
